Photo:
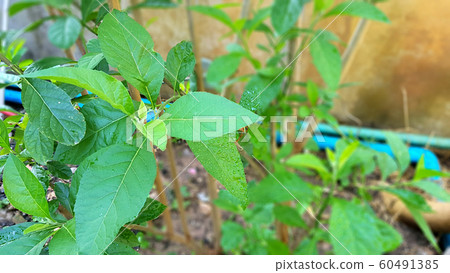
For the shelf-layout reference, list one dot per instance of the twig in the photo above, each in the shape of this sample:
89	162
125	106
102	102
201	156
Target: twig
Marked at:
405	108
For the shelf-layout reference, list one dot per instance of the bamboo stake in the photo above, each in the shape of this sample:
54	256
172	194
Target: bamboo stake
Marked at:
211	183
216	215
137	12
114	4
167	217
177	190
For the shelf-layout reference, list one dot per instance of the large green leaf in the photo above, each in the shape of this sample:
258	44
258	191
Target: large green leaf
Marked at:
64	32
180	63
128	46
260	92
223	67
327	60
50	109
38	145
64	241
279	187
111	193
357	230
23	189
105	126
285	13
103	85
221	159
359	9
30	244
203	116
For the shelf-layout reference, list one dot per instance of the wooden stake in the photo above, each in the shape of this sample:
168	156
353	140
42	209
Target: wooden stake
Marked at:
114	4
177	190
216	215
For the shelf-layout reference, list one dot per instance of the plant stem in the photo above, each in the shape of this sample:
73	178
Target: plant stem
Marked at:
14	67
163	105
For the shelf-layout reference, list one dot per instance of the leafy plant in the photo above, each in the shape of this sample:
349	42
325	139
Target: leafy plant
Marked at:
106	132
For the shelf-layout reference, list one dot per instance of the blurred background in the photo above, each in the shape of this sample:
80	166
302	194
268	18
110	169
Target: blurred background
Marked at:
399	69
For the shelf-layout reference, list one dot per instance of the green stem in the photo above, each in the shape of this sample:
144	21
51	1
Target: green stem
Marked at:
163	105
14	67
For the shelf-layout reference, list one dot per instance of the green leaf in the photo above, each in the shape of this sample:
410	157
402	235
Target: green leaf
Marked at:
285	14
154	4
260	92
215	13
288	216
151	210
59	169
433	189
64	32
4	138
62	193
386	164
228	202
38	145
411	199
276	247
105	126
223	67
42	175
309	161
47	62
11	233
155	131
221	159
422	172
90	60
320	5
203	116
50	109
38	227
400	151
22	5
116	183
359	9
233	235
313	93
23	189
423	225
128	47
103	85
327	60
180	63
279	187
357	230
120	249
30	244
88	6
64	242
